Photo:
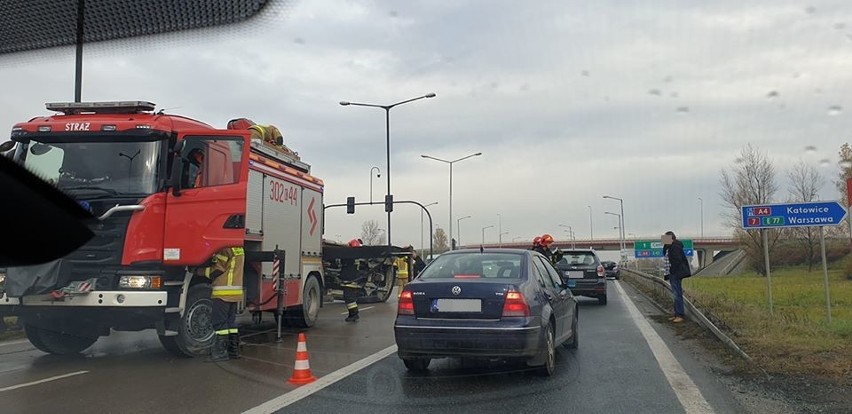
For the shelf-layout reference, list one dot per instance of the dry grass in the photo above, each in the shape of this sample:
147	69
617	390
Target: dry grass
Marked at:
797	339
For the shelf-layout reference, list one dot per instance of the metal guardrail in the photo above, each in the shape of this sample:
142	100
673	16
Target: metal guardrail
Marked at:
693	313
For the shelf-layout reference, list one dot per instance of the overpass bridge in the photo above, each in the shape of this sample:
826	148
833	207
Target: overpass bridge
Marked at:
705	247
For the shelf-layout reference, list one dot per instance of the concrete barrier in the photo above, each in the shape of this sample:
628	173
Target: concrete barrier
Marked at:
662	287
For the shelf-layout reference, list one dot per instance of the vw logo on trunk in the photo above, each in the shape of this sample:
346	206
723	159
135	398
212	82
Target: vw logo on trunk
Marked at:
456	290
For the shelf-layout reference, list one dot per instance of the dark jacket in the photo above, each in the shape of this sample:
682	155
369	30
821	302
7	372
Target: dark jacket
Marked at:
678	261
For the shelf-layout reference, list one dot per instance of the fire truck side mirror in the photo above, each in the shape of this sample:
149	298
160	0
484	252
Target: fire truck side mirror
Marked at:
175	177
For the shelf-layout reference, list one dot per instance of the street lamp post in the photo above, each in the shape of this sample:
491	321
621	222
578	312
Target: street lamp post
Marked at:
591	225
620	220
620	229
483	232
422	243
500	238
701	208
458	228
570	235
499	230
387	109
451	183
378	175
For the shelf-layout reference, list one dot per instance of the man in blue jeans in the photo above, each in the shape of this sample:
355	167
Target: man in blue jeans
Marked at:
678	270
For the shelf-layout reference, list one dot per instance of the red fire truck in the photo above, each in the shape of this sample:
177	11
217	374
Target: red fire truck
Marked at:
168	192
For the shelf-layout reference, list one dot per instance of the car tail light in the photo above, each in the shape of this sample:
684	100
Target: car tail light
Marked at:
515	305
601	272
406	303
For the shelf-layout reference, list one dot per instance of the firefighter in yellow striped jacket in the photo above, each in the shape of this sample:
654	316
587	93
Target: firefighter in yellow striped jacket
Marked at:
226	275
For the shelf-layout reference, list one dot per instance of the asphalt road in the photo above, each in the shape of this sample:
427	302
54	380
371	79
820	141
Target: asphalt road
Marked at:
626	362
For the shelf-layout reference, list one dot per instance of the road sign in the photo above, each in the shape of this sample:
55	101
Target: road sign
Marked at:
817	213
650	249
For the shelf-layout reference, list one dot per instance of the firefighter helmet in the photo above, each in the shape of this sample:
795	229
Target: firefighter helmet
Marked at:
546	240
355	243
537	241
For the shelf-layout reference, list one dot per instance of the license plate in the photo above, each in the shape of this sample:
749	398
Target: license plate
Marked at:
457	305
575	274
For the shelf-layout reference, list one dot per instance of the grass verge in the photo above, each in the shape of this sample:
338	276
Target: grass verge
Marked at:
797	339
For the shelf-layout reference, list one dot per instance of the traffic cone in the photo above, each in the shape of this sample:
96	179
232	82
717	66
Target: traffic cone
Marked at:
302	372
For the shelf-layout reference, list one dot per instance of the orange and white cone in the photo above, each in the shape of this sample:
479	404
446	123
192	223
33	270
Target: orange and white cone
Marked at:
302	372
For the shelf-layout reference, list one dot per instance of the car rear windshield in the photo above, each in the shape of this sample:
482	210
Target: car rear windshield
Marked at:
578	259
475	266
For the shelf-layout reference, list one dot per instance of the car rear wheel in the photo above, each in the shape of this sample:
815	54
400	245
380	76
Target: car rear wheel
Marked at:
417	364
549	366
602	300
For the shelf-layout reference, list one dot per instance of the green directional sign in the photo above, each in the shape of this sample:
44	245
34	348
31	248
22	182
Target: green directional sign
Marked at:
649	249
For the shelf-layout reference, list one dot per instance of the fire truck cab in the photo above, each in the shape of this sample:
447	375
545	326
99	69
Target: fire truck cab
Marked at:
169	192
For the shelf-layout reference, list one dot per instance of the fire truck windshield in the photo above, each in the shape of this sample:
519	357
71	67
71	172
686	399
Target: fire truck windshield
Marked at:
110	168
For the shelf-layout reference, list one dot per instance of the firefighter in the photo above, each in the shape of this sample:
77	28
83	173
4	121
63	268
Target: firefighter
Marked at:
226	275
537	246
553	255
402	266
349	283
196	158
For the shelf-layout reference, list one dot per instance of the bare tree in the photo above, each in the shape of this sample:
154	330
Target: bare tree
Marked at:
805	184
751	180
440	243
371	234
845	154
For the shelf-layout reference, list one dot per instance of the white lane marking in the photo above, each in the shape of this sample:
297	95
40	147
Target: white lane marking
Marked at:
291	397
42	381
359	310
687	393
17	342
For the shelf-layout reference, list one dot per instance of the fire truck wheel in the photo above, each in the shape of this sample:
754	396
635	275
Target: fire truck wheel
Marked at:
54	342
195	331
306	315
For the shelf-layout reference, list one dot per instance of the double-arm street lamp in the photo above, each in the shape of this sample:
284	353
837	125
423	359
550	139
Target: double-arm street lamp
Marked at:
451	183
387	109
620	221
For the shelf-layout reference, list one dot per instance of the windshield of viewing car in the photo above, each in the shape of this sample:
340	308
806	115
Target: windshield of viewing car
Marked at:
477	265
107	168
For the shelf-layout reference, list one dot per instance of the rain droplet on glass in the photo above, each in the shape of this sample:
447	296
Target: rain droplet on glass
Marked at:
674	95
840	26
668	79
739	160
683	109
810	149
772	94
845	164
825	162
393	13
494	85
299	41
835	110
656	92
585	73
810	10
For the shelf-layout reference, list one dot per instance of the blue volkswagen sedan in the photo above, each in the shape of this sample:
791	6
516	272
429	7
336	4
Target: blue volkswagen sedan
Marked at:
492	303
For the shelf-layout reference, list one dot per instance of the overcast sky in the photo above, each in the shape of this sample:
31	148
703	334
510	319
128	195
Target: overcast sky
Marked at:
567	101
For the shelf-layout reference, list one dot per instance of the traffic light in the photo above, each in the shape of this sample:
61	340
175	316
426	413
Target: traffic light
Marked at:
389	203
350	205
